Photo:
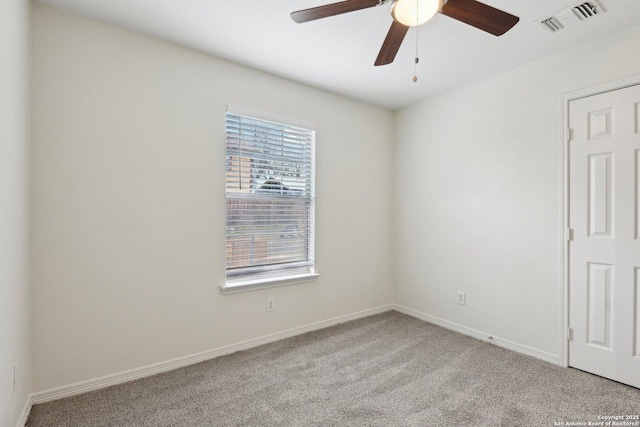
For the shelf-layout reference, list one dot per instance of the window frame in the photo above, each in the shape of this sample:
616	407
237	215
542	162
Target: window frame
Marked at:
288	275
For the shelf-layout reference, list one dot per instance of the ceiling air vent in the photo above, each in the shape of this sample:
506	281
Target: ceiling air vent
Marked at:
566	17
586	10
552	24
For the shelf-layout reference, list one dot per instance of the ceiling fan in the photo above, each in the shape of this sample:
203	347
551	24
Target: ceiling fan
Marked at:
410	13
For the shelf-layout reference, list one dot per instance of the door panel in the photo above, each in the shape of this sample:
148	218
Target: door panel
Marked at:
636	313
600	192
604	254
599	305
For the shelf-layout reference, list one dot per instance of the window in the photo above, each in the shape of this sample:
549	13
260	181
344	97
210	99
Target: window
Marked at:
270	201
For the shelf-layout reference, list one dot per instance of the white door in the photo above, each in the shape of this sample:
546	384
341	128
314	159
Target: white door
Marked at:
604	254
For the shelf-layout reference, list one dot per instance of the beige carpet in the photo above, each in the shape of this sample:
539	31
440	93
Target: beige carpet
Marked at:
384	370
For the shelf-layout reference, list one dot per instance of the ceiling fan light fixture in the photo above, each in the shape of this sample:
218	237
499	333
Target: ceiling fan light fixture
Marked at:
415	12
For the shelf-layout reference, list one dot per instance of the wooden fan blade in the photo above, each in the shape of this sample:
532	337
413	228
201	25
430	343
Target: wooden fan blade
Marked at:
333	9
480	15
391	44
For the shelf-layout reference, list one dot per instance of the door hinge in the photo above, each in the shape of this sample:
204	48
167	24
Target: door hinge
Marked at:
569	234
570	134
569	334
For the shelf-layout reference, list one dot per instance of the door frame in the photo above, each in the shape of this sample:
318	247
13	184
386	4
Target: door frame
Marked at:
563	294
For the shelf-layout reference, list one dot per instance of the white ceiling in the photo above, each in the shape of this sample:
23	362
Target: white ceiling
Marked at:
337	53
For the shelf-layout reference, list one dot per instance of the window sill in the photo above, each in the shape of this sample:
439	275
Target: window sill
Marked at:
254	285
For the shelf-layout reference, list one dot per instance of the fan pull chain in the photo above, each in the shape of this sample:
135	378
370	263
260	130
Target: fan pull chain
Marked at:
415	64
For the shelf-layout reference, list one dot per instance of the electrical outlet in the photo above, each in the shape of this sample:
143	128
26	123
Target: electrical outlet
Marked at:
462	298
270	303
15	376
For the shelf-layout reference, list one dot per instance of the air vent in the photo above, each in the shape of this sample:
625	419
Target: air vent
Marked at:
552	24
567	17
586	10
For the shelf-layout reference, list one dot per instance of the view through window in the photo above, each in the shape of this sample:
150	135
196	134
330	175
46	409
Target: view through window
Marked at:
270	199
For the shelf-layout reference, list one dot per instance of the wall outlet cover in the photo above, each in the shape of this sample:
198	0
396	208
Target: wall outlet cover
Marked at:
462	298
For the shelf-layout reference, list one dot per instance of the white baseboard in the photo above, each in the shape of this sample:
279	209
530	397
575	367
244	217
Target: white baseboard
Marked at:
146	371
25	411
156	368
483	336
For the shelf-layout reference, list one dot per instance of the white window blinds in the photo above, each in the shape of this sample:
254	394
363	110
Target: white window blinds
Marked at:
270	199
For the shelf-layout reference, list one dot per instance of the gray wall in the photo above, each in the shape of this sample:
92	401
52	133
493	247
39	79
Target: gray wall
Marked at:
128	203
478	195
14	196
